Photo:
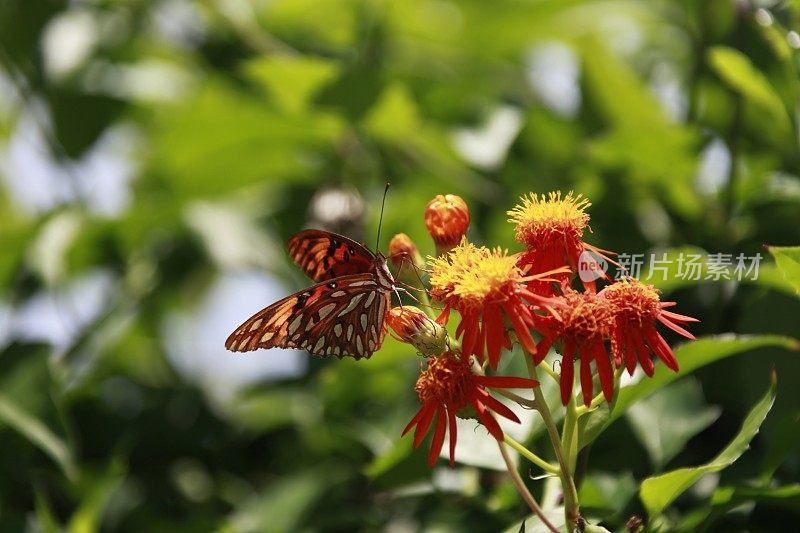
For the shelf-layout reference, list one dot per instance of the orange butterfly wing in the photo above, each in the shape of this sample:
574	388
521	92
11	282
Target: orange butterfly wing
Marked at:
324	255
342	317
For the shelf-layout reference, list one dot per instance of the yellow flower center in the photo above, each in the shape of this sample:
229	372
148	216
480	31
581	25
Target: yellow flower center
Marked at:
540	219
468	275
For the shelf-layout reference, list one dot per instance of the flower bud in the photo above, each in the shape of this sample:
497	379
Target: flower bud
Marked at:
447	220
413	326
404	257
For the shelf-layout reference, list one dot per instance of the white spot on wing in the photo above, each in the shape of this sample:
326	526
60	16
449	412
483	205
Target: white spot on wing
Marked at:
319	345
326	310
337	294
267	336
369	299
337	329
349	331
256	325
352	305
364	322
295	324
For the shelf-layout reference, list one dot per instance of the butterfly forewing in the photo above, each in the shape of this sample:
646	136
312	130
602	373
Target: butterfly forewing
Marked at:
323	255
341	317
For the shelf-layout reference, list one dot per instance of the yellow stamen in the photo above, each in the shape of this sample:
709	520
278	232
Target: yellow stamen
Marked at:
470	274
540	218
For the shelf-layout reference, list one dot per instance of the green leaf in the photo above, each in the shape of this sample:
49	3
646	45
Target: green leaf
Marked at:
39	434
96	495
664	437
788	261
738	71
690	356
292	80
658	492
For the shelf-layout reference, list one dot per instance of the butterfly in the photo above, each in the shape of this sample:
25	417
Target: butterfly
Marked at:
342	315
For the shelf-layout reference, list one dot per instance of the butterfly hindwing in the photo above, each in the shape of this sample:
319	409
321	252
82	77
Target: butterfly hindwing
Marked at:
324	255
342	317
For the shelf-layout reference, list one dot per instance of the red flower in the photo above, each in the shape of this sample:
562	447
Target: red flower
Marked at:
448	388
581	322
551	227
636	309
484	286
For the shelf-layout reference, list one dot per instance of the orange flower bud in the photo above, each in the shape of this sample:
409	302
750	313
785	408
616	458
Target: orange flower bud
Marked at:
403	254
413	326
447	220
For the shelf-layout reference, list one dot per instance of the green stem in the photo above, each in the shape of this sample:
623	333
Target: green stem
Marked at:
571	508
530	456
568	440
523	490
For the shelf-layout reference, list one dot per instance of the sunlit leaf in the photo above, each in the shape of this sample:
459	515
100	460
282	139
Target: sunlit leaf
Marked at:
658	492
690	356
788	260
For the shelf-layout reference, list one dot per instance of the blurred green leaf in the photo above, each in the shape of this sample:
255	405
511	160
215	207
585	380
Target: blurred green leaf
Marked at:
788	260
690	356
292	80
39	434
96	494
664	436
738	71
658	492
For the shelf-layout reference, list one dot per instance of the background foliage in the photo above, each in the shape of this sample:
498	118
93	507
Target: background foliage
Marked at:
156	155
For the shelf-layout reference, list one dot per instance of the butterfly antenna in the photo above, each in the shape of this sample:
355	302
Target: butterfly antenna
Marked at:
380	221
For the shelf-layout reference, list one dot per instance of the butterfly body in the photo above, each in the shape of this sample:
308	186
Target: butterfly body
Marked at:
342	315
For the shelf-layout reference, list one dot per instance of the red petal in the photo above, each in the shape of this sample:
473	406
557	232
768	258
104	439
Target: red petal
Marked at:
542	348
438	436
643	353
679	318
453	429
498	407
523	333
604	371
488	420
444	316
414	420
674	327
493	322
424	423
470	328
663	350
586	375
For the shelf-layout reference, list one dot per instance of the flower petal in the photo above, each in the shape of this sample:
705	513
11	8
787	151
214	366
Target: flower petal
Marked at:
506	382
438	436
424	423
487	419
586	375
453	429
567	372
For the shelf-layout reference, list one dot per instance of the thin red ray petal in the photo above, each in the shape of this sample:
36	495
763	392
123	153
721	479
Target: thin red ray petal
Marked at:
567	377
643	354
662	349
414	420
493	322
498	407
488	420
630	351
424	423
444	316
604	371
542	348
453	429
470	329
507	382
523	333
438	436
679	318
674	327
480	341
586	375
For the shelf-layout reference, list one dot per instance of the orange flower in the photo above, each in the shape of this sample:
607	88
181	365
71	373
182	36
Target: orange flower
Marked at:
484	286
412	325
636	307
448	388
551	227
581	321
405	258
447	220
